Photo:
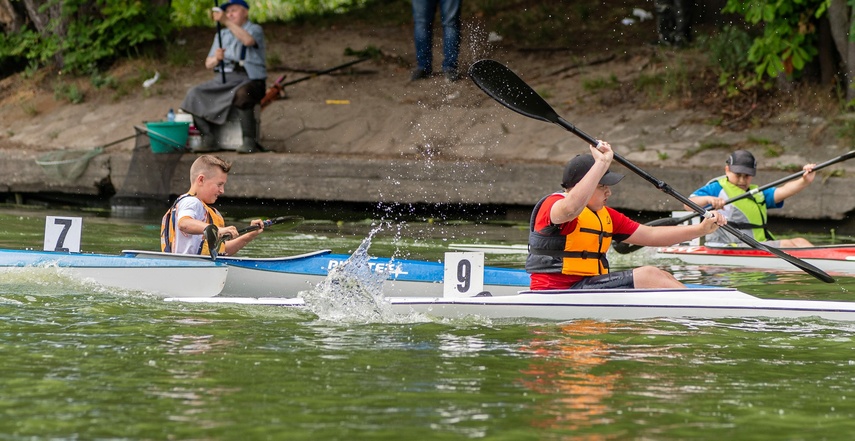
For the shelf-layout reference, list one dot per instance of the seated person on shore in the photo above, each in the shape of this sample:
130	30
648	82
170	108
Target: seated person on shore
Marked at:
748	214
243	57
182	228
570	232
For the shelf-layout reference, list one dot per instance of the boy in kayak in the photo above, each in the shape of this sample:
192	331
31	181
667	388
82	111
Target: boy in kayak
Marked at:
748	214
182	228
570	232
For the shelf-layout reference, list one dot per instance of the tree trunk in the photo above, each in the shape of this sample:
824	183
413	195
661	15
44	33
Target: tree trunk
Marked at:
48	22
11	18
840	17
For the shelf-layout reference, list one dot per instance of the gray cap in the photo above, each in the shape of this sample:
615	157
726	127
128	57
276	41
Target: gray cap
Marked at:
742	162
578	167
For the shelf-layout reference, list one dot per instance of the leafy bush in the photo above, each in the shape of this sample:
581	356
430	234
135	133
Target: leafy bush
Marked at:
95	32
728	52
187	13
789	35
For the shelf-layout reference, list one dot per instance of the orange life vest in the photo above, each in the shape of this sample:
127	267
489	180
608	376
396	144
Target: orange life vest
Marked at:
169	224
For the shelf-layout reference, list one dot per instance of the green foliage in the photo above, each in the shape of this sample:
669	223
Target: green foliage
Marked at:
100	81
728	51
595	84
68	92
789	36
846	131
187	13
94	32
664	84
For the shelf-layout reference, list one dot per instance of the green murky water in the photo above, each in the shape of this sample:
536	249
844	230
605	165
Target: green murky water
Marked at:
81	362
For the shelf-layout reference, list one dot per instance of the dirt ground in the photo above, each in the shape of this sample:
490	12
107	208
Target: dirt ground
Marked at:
373	109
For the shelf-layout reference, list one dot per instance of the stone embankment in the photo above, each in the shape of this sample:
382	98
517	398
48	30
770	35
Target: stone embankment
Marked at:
371	136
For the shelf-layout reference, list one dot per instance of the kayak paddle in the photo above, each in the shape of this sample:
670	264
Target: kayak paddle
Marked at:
625	248
214	242
504	86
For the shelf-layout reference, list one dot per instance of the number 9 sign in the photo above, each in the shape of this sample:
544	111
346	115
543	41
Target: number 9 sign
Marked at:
463	275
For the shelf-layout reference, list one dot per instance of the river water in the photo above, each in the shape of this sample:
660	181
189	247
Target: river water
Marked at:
81	362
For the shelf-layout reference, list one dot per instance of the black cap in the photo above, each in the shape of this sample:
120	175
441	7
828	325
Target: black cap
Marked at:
579	166
742	162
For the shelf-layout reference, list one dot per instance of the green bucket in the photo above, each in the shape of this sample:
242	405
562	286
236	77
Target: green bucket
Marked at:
166	136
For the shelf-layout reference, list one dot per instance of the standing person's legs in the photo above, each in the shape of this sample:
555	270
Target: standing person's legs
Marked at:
665	20
450	14
423	13
682	22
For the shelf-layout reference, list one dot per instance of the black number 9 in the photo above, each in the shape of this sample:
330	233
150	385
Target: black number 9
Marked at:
464	275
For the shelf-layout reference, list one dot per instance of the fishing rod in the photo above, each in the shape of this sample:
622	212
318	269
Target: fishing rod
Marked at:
220	41
274	91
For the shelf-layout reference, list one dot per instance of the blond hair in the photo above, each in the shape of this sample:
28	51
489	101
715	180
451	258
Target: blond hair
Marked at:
206	164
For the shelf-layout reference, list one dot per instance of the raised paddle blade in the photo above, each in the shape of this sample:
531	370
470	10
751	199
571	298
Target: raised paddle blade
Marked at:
212	240
510	90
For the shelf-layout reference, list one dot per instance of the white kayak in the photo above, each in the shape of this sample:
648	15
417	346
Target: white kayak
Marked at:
692	302
155	276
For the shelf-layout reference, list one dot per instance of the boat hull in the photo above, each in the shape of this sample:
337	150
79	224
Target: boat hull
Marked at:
704	302
288	276
490	249
154	276
838	259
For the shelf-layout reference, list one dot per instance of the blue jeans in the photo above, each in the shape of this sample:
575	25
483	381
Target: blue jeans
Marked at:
423	14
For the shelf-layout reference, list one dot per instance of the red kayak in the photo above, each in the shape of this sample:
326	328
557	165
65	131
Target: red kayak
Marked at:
829	258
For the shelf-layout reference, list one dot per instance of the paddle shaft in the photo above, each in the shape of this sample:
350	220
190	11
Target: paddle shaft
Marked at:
267	223
625	248
510	90
791	177
220	42
661	185
211	232
794	176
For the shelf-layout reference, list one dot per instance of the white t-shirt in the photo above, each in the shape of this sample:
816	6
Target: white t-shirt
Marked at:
193	208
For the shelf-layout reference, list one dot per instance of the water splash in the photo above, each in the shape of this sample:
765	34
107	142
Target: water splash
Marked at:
353	291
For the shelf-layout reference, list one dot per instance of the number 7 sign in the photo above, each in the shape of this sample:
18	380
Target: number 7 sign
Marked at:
63	233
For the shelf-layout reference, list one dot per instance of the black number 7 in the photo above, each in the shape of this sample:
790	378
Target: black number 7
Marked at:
60	241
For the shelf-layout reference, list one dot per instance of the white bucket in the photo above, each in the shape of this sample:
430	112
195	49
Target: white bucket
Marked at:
184	117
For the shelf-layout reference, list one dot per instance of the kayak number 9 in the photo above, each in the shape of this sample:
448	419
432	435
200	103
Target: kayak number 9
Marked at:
464	275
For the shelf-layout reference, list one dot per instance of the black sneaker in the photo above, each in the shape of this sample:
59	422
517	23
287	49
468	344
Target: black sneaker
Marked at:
419	74
452	75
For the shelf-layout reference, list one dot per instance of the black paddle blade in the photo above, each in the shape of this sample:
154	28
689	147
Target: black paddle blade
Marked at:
212	240
625	248
504	86
510	90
